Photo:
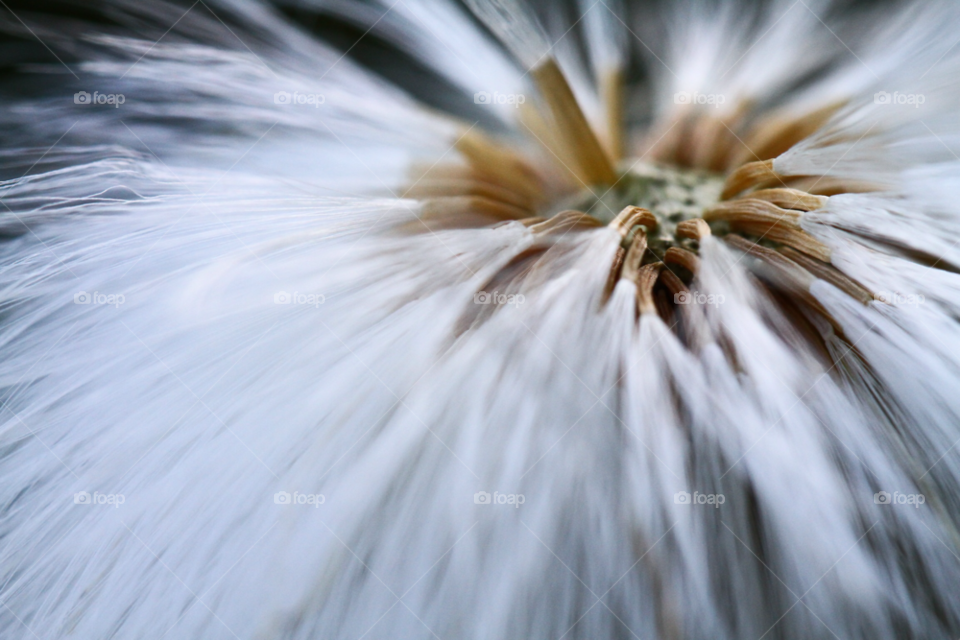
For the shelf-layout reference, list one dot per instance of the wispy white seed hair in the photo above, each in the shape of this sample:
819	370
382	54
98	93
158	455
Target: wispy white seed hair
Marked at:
213	303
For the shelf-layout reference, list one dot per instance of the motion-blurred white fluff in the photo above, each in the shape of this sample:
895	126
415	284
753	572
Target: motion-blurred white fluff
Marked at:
421	319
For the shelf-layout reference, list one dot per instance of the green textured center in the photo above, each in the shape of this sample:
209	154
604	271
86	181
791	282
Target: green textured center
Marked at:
671	194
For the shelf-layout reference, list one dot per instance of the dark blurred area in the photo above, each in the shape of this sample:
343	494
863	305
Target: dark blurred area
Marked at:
48	33
46	47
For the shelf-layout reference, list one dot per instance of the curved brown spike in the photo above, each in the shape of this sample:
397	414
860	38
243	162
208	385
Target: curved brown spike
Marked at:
634	257
828	186
695	330
420	171
784	274
614	276
594	165
838	186
775	135
612	94
695	228
749	175
529	222
686	259
750	210
767	220
646	278
723	147
566	219
467	210
661	142
446	187
778	268
783	234
790	199
706	137
830	274
630	217
684	149
539	127
711	137
796	238
672	282
500	165
665	307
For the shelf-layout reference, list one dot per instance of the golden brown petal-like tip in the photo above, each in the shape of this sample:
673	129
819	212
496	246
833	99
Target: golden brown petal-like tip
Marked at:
785	274
593	164
751	210
686	259
774	135
827	186
790	199
538	124
661	141
611	92
501	166
634	257
646	278
468	210
796	238
770	222
529	222
830	274
632	216
566	220
781	270
614	276
749	175
695	330
695	229
672	282
710	141
447	187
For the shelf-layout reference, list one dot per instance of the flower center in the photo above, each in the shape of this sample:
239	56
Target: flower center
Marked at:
672	195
